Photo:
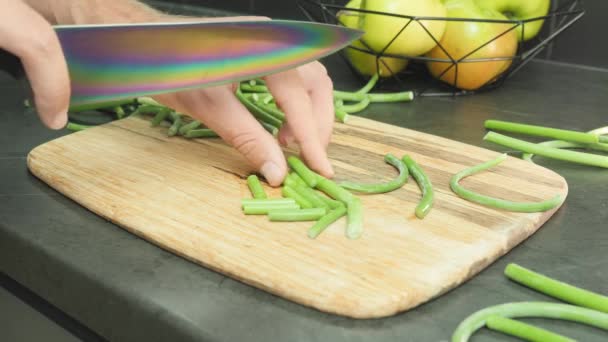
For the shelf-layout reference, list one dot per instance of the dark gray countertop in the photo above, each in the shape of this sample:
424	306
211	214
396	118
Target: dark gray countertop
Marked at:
124	288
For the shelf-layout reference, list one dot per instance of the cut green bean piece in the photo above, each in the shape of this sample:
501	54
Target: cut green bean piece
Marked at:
269	128
74	127
341	115
326	221
176	118
160	116
425	185
194	124
254	88
274	111
603	139
146	109
557	289
334	191
310	214
379	188
370	84
120	113
290	192
264	210
524	331
201	133
354	211
540	131
311	196
293	178
555	153
526	207
303	171
530	309
266	201
332	203
256	188
257	111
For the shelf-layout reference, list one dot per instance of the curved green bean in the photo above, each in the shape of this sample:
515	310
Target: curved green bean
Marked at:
557	289
309	176
379	188
523	330
526	207
354	213
257	191
425	185
201	133
326	221
555	153
356	107
309	214
194	124
530	309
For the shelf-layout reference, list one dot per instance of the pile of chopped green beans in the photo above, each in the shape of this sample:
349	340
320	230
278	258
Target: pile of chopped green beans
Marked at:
584	307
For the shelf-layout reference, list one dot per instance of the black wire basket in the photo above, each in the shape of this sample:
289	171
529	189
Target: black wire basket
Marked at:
430	75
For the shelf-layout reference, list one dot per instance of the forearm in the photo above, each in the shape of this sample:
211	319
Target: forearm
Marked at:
65	12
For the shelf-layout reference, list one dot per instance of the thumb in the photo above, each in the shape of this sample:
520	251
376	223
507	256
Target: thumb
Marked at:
31	38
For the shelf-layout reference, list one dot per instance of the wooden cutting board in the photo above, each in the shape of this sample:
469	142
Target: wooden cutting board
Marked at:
184	196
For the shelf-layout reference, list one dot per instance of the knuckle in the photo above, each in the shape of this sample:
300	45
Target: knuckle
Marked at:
43	44
245	142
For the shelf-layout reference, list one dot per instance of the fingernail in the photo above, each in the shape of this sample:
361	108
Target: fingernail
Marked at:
272	173
59	121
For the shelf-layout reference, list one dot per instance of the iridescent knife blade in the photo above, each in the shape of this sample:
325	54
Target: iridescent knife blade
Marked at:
111	62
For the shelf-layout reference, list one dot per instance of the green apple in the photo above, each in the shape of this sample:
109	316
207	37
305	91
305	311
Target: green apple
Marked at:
380	29
463	37
366	63
521	10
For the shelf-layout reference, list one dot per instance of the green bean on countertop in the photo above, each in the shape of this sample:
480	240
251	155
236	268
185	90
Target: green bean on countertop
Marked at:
255	186
522	330
527	207
292	215
565	144
379	188
326	221
557	289
547	132
555	153
425	185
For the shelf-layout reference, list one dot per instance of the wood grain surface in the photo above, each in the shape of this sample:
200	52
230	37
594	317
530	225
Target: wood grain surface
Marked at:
184	196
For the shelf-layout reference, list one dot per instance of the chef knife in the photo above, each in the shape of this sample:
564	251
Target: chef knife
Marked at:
118	61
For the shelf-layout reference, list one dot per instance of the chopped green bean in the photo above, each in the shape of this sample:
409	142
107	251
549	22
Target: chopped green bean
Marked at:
425	185
555	153
326	221
74	127
603	139
274	111
264	210
557	289
341	115
290	192
256	187
547	132
257	111
524	331
269	128
333	204
266	100
266	201
148	101
176	118
147	109
201	133
354	211
254	88
310	195
310	214
357	107
334	191
303	171
194	124
120	113
160	117
293	179
530	309
382	187
527	207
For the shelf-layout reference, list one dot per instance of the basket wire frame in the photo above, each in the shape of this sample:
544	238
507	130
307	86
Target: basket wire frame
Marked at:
559	19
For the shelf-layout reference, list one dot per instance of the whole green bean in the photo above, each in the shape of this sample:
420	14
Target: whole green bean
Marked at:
391	97
176	118
274	111
263	210
354	212
527	207
555	153
256	187
379	188
266	201
425	185
547	132
524	331
310	214
200	133
530	309
290	192
557	289
326	221
309	176
194	124
564	144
